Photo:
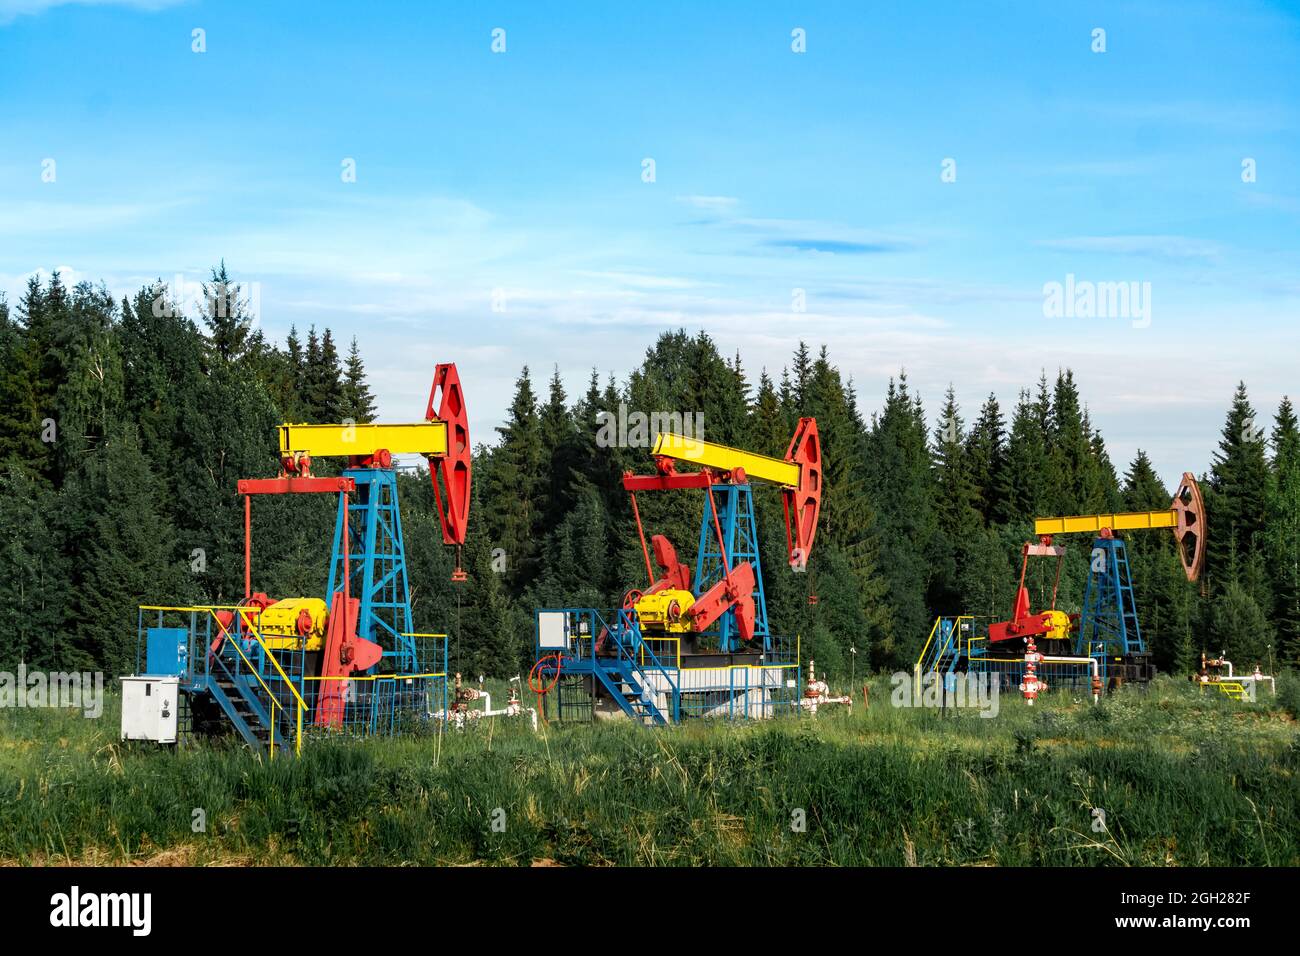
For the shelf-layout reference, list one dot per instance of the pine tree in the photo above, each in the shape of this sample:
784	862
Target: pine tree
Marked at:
226	314
768	425
1282	532
23	396
986	451
957	493
33	572
358	402
802	371
956	516
326	392
1239	482
559	437
513	492
845	560
1070	452
898	470
1027	491
125	554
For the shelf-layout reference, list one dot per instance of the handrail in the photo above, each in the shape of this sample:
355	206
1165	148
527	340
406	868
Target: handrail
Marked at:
920	660
200	607
275	704
656	663
267	655
928	661
624	617
370	676
677	643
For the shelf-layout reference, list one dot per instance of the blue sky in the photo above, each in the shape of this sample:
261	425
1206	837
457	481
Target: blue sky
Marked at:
516	177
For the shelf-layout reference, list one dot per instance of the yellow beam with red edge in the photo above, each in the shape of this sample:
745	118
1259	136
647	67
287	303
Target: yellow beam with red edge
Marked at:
345	441
721	458
1124	521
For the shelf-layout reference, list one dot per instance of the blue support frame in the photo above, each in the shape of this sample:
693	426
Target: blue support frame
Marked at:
1109	622
735	503
377	561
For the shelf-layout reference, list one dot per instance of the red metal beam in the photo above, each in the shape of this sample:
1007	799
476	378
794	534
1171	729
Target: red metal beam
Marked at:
285	486
666	482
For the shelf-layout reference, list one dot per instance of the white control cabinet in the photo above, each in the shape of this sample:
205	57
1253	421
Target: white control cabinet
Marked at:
149	708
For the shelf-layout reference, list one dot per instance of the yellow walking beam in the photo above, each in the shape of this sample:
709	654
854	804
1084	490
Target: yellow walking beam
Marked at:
722	458
340	441
1126	521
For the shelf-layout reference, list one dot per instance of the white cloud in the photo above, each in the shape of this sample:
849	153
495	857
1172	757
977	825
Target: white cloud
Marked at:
1158	247
39	217
11	9
717	204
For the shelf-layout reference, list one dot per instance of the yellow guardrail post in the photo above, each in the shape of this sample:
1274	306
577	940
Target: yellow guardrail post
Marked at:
245	616
920	660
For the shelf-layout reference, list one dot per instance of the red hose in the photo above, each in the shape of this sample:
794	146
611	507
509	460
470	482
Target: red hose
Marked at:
536	682
535	678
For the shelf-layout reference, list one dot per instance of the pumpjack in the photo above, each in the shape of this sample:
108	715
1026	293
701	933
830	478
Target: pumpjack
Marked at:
265	667
675	646
366	615
727	596
1108	627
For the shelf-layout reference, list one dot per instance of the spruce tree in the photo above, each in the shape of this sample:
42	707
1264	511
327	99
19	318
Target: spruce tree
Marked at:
767	422
1282	532
514	494
1239	482
34	578
898	470
227	316
1027	486
358	402
559	437
986	452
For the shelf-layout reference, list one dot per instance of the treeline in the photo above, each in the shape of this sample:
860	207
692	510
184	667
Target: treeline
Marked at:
920	516
125	425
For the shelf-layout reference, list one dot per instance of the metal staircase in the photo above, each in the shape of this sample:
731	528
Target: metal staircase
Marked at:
942	649
255	711
228	677
633	675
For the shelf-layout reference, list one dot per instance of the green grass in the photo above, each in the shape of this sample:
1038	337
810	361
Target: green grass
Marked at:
1183	778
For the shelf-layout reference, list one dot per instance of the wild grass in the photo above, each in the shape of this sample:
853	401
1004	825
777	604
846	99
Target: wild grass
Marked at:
1167	776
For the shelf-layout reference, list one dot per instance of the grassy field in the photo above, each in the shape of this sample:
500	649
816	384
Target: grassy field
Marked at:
1181	778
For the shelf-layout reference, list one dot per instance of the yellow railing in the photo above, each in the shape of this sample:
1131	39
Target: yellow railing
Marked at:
676	654
245	614
925	648
319	677
920	659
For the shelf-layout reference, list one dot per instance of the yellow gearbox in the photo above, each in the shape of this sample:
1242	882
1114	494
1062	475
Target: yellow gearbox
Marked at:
1058	625
286	625
666	610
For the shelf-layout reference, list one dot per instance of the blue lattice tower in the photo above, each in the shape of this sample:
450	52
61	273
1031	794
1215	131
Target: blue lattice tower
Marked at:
735	504
377	563
1109	622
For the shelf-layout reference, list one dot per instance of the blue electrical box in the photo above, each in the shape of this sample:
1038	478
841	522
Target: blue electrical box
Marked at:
166	651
